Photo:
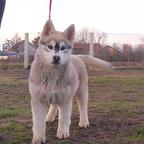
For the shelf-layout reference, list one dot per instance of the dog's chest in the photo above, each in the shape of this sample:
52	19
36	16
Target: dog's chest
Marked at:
57	87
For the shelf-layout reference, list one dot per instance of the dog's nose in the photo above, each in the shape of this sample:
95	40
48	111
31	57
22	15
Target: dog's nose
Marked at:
56	59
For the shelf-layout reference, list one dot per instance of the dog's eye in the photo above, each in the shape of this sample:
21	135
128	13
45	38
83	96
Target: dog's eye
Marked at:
50	47
62	48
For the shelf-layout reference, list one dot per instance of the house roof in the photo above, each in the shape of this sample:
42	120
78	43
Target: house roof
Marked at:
81	45
85	45
19	47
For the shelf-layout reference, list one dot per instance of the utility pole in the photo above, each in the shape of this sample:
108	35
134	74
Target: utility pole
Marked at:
26	51
91	44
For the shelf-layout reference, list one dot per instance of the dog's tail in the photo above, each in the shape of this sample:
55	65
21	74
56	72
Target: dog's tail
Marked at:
94	63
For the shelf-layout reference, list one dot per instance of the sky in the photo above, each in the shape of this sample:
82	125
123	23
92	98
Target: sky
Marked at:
109	16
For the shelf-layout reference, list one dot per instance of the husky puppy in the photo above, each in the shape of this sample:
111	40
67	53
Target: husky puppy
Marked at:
57	76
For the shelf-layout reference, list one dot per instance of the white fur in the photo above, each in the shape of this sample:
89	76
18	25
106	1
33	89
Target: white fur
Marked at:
66	88
58	84
49	54
52	113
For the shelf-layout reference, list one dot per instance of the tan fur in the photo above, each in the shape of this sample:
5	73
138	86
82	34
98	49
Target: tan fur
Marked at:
56	85
58	36
95	63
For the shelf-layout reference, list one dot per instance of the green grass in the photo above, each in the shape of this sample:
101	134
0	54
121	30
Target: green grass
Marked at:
11	82
115	94
123	81
118	97
15	133
13	112
123	98
7	85
137	135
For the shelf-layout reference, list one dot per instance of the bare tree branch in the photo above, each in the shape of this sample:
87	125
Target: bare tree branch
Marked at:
84	36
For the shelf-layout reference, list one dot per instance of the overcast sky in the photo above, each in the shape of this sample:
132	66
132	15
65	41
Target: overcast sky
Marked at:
110	16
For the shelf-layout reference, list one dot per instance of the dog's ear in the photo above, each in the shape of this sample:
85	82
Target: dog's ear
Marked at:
70	32
48	28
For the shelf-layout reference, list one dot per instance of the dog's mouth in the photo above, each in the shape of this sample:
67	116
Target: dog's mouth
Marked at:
55	62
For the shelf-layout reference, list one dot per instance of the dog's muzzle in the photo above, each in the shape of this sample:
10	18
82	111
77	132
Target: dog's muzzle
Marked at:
56	59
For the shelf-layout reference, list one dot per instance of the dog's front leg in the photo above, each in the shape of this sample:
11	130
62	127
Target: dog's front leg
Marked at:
65	110
39	125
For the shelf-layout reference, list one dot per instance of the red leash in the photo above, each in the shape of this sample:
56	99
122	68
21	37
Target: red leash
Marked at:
50	4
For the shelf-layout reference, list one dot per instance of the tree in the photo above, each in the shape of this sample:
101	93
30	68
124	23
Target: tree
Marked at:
83	36
16	38
100	37
10	43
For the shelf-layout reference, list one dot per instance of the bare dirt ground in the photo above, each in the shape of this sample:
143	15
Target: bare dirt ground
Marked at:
116	109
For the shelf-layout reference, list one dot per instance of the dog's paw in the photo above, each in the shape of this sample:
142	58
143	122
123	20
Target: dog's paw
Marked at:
38	141
84	124
62	133
50	118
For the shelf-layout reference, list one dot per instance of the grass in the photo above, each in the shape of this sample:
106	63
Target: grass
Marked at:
136	135
13	112
15	133
114	98
11	82
7	82
118	94
10	65
14	106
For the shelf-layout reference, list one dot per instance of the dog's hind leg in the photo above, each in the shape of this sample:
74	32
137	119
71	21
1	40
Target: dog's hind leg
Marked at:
51	113
82	100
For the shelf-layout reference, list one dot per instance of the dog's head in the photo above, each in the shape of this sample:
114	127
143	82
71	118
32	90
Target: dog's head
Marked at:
56	47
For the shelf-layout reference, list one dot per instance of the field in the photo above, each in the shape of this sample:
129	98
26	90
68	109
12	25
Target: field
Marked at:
116	109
